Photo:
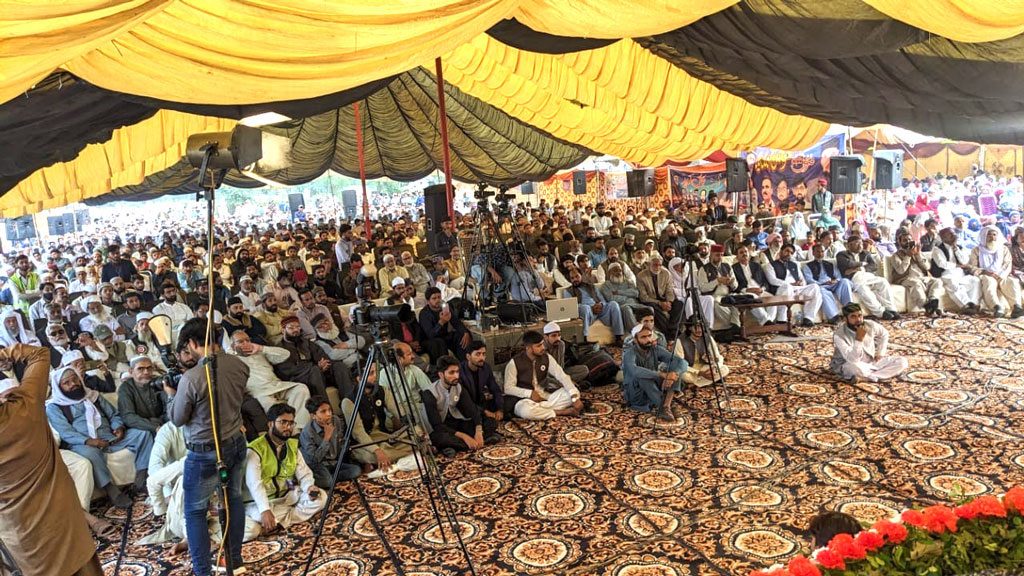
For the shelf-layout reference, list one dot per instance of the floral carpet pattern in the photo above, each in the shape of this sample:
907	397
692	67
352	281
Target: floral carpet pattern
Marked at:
716	492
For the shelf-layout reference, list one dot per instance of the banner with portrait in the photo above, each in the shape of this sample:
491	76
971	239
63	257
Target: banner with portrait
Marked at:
780	177
691	184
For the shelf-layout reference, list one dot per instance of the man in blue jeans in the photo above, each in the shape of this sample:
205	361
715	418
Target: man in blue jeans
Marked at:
189	408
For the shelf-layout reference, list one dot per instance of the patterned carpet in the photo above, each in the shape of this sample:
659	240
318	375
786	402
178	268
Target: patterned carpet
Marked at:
614	493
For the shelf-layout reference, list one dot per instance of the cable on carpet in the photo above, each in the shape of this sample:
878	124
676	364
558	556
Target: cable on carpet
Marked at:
124	538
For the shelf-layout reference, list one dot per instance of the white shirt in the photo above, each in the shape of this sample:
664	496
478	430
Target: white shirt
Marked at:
254	478
554	370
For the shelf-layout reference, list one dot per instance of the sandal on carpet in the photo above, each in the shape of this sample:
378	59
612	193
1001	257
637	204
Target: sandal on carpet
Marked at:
103	529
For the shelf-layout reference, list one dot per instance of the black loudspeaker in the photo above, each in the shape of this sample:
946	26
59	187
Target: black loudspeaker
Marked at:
22	228
640	183
844	174
736	177
888	169
435	209
61	225
349	203
295	200
579	182
81	219
527	188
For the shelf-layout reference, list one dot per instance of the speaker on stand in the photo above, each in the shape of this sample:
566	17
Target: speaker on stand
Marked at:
435	211
844	174
349	203
737	180
579	182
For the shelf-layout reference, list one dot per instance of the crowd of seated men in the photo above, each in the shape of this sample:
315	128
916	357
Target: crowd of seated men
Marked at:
283	296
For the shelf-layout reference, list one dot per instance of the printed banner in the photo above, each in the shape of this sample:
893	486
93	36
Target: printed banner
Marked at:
780	177
691	184
615	186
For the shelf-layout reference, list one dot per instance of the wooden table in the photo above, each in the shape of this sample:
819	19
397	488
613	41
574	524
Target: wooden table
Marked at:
767	300
505	338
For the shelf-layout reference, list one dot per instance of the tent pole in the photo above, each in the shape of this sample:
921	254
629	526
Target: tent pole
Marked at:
443	119
362	168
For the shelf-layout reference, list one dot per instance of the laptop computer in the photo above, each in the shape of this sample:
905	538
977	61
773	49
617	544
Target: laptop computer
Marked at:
562	309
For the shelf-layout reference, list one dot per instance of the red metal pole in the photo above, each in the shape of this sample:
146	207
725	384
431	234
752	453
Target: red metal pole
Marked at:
449	192
362	167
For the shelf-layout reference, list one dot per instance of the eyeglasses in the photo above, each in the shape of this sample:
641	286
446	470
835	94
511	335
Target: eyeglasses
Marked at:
145	368
285	423
57	332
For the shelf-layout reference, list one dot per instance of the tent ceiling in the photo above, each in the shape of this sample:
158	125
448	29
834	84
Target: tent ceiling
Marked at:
699	75
401	141
843	62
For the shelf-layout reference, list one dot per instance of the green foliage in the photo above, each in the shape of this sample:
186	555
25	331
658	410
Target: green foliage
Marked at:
987	543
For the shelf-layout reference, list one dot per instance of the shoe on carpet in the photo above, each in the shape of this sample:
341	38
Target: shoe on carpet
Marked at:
999	312
449	452
970	310
664	415
116	496
1017	312
835	319
492	439
807	322
237	568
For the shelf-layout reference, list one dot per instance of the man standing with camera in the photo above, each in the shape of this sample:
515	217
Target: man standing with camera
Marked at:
190	409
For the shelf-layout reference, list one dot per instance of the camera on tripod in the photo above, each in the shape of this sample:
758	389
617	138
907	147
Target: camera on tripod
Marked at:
367	313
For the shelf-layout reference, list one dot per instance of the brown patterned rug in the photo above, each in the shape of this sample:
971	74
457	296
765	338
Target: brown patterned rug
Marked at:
614	493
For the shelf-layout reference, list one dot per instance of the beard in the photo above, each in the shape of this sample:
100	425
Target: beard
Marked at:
646	346
62	341
297	339
331	334
278	435
238	316
991	245
270	309
170	299
77	394
854	327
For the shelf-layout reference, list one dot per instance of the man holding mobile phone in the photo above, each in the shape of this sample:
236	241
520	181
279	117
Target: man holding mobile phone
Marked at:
281	486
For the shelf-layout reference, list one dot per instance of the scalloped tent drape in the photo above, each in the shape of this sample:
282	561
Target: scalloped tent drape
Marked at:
237	52
400	133
629	103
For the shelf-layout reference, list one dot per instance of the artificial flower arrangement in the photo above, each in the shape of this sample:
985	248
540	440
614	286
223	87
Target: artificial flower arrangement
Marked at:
981	534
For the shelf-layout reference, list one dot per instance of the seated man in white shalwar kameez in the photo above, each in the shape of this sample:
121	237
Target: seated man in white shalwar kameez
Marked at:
860	349
263	383
281	487
167	492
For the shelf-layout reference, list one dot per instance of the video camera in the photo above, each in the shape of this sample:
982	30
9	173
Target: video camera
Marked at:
367	313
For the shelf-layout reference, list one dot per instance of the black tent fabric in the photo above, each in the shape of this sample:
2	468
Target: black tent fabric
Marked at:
844	62
402	141
60	116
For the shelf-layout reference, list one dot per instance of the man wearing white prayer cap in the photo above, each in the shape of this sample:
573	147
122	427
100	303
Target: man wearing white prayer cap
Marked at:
558	350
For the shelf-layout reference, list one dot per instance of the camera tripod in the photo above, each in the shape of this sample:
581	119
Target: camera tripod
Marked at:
514	245
412	433
706	339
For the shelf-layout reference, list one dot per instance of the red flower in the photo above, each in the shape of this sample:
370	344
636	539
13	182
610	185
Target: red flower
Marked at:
989	506
847	547
967	511
829	559
893	532
913	517
801	566
939	518
1015	498
870	540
